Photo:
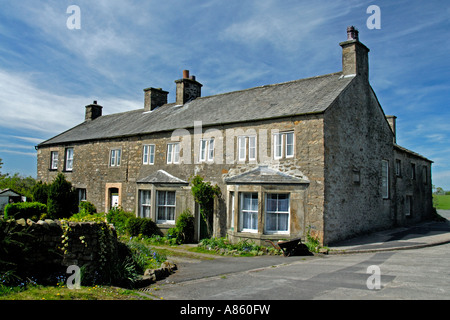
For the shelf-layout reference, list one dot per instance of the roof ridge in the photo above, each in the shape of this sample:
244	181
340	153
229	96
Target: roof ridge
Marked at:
270	85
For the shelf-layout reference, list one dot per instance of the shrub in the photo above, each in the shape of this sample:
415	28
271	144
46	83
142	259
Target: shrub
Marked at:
184	228
61	198
25	210
40	192
87	208
128	223
141	226
118	217
204	194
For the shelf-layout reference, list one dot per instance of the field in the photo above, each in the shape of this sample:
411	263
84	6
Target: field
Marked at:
441	202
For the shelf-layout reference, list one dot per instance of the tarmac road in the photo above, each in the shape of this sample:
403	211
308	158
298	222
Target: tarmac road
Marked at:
406	274
422	272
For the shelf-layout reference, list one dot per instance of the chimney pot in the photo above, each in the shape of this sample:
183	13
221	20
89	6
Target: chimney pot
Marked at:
352	33
185	74
95	101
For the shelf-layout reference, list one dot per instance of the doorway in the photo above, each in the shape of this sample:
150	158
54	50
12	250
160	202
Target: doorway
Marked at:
114	198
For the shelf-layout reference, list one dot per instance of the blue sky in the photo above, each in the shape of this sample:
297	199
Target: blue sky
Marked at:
48	72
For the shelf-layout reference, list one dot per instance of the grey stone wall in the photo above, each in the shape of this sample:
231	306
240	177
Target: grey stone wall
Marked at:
357	139
91	168
413	188
53	245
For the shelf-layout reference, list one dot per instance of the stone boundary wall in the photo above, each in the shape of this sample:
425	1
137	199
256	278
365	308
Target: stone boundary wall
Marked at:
53	245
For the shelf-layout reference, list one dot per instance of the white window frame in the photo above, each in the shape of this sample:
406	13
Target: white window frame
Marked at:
211	150
252	149
54	160
143	205
165	206
277	212
173	153
68	165
277	146
206	152
242	148
115	157
232	200
280	145
385	179
286	145
254	213
148	154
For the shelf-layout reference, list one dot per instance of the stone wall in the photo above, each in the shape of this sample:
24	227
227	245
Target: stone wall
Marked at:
91	169
413	192
357	139
53	245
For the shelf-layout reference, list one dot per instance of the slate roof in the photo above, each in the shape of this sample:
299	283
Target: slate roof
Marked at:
305	96
264	175
161	176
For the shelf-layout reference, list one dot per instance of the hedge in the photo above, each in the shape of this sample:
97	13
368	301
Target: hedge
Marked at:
25	210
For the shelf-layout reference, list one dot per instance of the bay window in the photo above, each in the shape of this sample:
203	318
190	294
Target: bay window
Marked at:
166	207
249	212
145	203
277	213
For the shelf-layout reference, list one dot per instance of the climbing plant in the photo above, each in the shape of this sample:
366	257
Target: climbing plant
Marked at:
204	194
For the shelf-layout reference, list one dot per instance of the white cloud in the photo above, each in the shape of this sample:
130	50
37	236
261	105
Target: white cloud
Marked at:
27	107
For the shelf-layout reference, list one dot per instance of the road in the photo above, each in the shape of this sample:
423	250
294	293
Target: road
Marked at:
409	274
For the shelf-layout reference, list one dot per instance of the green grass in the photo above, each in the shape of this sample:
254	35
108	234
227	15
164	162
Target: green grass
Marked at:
441	202
36	292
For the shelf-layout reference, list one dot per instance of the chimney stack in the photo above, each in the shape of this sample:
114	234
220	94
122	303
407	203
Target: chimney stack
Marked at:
188	88
93	111
355	55
154	98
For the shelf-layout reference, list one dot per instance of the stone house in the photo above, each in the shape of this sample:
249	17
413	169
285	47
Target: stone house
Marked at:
316	152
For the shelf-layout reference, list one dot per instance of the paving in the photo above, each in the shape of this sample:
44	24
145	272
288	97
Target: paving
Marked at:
424	234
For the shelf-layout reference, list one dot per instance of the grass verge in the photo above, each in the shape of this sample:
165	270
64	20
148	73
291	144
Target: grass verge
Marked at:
64	293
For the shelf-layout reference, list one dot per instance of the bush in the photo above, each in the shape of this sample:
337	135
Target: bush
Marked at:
184	228
87	208
40	192
61	198
25	210
128	223
141	226
119	218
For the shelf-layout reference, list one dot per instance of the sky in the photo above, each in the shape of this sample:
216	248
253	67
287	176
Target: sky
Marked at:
54	61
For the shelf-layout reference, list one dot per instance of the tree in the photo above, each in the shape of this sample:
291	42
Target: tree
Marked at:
204	194
40	192
61	201
18	183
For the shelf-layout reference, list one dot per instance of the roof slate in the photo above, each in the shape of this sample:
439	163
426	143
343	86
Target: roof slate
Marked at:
305	96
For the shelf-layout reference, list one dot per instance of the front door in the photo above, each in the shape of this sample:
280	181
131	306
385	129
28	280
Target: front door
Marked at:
113	198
